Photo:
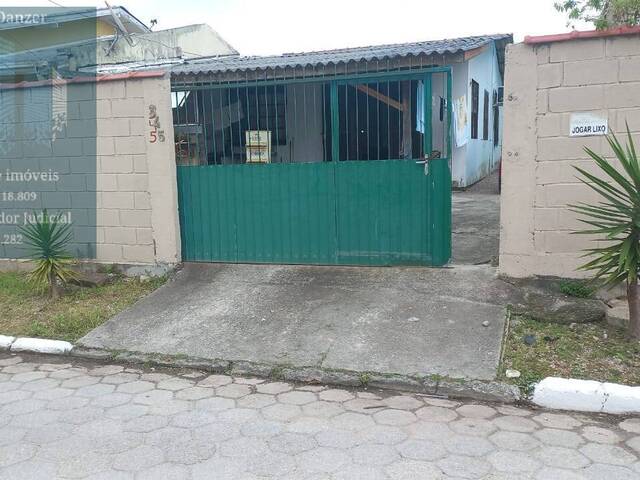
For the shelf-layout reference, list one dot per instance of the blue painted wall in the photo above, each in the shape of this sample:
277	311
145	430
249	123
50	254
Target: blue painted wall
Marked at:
478	157
482	157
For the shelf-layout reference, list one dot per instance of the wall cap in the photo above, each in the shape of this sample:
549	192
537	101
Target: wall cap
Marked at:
90	79
580	35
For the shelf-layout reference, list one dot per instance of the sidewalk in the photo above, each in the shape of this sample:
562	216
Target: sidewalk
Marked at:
64	418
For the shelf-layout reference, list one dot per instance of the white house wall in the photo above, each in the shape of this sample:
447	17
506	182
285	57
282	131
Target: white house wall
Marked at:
439	127
154	47
481	156
460	81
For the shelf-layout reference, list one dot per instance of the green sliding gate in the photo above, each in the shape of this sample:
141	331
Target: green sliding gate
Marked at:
376	209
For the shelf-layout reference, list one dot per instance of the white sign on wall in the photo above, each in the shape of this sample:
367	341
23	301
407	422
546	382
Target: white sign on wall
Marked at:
588	124
460	120
258	143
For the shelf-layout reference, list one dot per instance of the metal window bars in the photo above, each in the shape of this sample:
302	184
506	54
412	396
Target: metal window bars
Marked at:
313	115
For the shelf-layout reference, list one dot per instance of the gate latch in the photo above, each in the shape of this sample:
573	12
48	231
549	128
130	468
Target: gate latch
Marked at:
432	156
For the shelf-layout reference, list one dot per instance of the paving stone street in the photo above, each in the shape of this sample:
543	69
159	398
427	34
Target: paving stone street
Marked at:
96	421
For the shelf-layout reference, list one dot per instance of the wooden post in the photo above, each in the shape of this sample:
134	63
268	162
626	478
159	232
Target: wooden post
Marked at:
407	132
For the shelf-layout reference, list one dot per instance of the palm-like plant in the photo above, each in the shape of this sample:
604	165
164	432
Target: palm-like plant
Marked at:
47	238
616	220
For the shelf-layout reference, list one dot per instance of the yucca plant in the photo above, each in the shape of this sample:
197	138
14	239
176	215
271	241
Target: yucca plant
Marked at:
616	221
47	238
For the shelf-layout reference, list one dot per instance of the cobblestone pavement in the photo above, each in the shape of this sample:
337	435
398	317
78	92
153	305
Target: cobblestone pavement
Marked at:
83	420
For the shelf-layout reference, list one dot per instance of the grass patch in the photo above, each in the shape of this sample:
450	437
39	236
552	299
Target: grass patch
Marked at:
585	351
364	378
26	312
575	288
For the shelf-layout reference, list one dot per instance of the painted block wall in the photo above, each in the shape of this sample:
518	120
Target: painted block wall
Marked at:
135	185
544	84
478	158
482	157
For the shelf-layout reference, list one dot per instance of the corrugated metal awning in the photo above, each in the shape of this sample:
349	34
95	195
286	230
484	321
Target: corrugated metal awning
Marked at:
334	57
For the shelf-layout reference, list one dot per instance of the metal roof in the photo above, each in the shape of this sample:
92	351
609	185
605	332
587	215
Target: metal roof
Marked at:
56	15
235	63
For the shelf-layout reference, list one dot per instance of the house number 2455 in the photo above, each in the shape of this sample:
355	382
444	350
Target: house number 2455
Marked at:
155	134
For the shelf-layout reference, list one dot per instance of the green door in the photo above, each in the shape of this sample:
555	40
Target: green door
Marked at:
371	201
394	211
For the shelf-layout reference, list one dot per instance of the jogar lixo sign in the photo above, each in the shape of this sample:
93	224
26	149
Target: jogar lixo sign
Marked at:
588	124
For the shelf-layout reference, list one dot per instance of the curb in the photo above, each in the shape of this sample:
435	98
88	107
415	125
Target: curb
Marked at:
34	345
489	391
552	392
5	342
586	396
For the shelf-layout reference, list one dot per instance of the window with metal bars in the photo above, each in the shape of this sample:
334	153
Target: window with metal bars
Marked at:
292	122
381	120
475	107
264	123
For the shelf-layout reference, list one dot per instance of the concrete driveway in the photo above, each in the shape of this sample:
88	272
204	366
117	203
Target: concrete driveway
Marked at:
475	232
387	320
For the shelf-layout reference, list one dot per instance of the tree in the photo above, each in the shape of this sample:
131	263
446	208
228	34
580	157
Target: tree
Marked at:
603	13
48	237
616	223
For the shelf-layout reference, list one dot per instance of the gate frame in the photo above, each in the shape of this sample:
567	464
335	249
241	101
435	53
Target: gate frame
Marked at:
439	168
441	249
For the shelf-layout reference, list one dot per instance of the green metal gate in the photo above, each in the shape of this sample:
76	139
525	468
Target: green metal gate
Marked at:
380	211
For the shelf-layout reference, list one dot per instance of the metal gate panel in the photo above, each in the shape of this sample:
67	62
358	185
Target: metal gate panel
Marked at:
367	213
272	213
339	211
381	213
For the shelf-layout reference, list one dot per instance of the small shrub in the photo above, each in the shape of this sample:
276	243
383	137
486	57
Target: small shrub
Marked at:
615	222
110	269
277	373
577	289
527	383
47	238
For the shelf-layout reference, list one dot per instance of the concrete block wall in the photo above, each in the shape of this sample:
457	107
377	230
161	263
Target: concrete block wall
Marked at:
544	85
135	191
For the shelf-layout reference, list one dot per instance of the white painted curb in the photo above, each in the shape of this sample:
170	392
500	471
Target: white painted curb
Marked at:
40	345
586	396
5	342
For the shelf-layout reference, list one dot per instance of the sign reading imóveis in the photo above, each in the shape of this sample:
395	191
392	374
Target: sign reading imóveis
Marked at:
588	124
48	129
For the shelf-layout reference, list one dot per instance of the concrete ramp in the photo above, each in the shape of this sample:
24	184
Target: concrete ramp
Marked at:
409	321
